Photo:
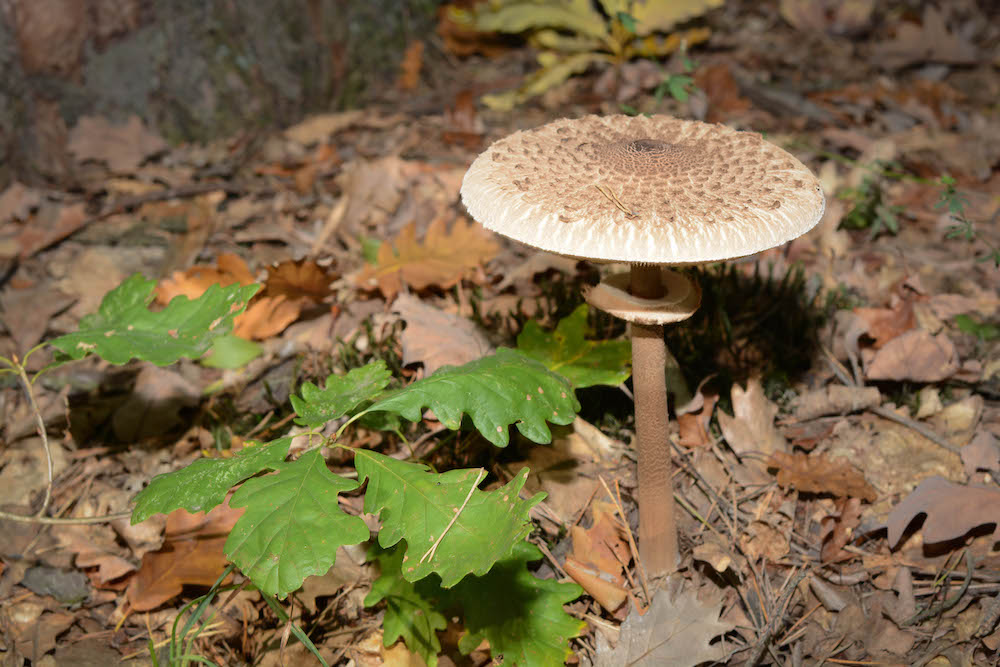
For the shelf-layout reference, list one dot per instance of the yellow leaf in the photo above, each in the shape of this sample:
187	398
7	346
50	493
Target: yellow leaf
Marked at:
554	71
572	15
662	15
443	258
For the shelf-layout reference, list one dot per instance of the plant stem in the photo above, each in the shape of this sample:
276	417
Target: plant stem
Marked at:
657	527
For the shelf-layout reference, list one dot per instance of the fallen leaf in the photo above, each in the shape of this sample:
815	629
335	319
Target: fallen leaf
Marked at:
983	453
50	225
192	554
885	324
154	405
820	474
319	128
17	202
122	147
192	283
266	317
608	590
436	338
917	356
443	259
834	399
951	511
677	629
602	545
299	279
31	309
761	539
931	41
36	637
409	68
839	529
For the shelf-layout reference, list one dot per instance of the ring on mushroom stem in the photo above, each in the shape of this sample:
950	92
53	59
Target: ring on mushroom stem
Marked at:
651	192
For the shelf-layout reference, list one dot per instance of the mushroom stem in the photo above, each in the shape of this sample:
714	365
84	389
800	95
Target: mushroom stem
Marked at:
657	528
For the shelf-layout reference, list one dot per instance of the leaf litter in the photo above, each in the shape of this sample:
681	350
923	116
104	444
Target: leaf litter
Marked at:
351	221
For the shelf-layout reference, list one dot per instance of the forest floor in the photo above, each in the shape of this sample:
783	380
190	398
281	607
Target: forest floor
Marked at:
830	393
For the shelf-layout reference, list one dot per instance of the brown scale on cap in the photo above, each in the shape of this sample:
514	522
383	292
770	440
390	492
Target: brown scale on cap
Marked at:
642	189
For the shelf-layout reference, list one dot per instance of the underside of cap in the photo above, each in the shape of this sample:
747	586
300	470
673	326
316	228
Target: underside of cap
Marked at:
651	190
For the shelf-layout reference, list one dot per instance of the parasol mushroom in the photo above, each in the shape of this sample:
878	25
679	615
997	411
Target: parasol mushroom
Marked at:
651	192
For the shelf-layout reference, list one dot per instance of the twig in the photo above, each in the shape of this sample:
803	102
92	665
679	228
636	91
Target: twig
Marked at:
430	552
628	532
948	603
990	617
841	374
22	374
71	521
772	625
916	426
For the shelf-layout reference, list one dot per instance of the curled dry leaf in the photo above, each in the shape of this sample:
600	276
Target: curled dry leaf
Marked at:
838	530
834	399
951	510
819	474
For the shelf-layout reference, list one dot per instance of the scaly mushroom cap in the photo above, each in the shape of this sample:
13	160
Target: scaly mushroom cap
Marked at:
650	190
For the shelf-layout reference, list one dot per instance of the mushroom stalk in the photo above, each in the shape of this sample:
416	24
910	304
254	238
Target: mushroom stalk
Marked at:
657	527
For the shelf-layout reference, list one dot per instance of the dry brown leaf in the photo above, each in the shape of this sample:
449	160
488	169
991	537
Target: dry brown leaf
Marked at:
751	428
37	636
834	399
266	316
193	282
761	539
51	224
835	16
17	202
819	474
608	590
885	324
191	555
299	279
121	147
678	630
983	453
917	356
839	529
602	545
951	511
409	68
931	41
317	129
442	260
436	338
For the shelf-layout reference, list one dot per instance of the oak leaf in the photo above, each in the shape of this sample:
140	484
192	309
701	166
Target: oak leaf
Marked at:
442	260
191	555
820	474
951	510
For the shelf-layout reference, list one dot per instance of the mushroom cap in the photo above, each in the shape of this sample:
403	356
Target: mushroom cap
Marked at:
648	190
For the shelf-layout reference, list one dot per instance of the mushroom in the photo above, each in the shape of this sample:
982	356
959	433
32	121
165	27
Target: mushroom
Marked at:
651	192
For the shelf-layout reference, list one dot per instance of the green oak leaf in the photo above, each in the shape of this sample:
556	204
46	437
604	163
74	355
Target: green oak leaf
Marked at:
341	394
565	351
204	484
418	506
408	613
520	615
496	391
124	328
292	526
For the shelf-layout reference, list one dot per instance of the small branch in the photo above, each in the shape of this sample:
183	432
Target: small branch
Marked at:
430	552
72	521
22	374
778	613
916	426
946	604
